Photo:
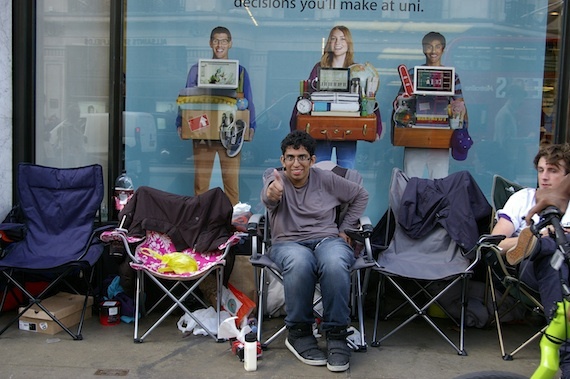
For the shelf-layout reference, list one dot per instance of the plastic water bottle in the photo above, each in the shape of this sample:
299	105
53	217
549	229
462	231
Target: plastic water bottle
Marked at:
124	182
250	352
124	189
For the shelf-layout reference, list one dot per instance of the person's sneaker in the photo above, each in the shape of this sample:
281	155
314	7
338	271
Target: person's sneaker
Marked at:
525	247
303	344
338	359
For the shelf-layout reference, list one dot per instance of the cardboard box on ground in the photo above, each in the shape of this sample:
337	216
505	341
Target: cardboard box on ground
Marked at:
64	306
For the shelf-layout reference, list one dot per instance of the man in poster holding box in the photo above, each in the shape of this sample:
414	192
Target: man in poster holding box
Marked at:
204	150
433	111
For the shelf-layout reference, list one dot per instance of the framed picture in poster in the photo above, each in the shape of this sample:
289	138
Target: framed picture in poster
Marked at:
218	73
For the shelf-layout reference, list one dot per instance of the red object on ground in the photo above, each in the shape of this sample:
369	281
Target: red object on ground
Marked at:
15	297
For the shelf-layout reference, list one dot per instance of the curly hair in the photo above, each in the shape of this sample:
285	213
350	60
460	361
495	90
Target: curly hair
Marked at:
554	154
298	139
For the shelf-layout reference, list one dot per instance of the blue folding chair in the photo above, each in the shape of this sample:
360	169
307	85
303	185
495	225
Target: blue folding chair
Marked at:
59	241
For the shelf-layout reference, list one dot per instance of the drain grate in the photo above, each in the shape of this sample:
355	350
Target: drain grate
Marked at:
111	372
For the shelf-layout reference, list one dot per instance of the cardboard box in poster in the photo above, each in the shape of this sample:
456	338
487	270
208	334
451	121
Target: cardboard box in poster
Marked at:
205	123
65	306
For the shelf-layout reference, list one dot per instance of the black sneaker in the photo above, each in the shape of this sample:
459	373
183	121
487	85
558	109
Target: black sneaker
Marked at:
338	351
303	344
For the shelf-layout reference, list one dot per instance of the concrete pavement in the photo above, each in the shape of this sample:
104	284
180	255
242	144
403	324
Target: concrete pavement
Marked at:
414	352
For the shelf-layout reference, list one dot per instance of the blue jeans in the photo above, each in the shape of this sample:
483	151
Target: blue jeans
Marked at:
345	152
303	264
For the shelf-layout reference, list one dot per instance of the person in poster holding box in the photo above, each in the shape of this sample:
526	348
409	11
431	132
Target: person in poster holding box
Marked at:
436	160
338	53
204	151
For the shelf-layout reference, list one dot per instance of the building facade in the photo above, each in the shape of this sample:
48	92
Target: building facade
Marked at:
112	70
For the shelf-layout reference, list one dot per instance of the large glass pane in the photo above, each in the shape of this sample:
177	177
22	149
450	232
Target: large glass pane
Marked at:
72	125
496	47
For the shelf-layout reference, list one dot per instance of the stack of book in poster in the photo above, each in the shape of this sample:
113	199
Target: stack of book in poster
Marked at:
343	104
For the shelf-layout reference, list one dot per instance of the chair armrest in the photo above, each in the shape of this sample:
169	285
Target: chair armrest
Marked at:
492	239
362	234
366	225
485	242
104	228
253	232
253	223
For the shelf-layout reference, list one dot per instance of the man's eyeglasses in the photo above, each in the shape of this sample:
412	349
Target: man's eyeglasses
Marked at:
222	42
300	158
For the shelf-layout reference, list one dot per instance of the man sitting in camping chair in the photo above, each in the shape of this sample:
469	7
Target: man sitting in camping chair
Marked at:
552	164
310	247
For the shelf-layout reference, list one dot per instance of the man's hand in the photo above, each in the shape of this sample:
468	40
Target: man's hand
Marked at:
275	188
546	197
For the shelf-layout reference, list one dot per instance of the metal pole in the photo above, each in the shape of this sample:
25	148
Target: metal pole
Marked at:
562	101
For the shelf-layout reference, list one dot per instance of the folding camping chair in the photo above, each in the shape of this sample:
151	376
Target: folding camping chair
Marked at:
499	272
501	190
413	265
59	207
157	224
260	234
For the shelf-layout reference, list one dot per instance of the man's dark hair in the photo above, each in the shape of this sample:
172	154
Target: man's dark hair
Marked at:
432	36
219	30
298	139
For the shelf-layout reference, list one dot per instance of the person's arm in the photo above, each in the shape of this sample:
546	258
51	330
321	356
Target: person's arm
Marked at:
546	197
272	190
459	95
248	94
506	228
378	123
357	198
192	79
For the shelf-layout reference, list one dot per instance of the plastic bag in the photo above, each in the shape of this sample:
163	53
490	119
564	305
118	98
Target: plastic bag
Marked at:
240	216
179	263
236	303
207	317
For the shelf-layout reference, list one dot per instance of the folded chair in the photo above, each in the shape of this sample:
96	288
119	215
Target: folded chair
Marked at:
157	227
259	232
441	252
60	243
504	278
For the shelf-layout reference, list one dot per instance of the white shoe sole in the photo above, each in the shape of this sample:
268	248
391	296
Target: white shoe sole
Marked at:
310	362
338	368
